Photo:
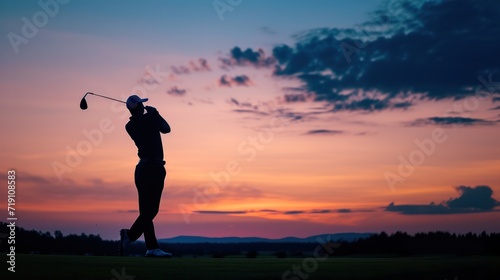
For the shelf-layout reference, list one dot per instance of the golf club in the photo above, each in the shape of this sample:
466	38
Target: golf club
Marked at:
83	103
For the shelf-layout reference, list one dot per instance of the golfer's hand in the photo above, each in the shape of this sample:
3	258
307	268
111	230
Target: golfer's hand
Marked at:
151	110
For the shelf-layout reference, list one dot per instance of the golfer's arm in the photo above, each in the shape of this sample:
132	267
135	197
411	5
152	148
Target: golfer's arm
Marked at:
163	124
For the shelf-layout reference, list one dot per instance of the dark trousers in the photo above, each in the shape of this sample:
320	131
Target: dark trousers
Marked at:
149	180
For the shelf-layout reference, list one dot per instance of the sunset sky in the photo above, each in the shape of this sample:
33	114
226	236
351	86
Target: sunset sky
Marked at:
289	118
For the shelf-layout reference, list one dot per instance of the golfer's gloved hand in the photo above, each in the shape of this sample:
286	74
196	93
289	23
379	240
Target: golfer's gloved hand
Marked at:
151	110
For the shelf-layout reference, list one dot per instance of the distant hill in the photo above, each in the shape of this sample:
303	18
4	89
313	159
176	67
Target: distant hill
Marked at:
349	237
352	244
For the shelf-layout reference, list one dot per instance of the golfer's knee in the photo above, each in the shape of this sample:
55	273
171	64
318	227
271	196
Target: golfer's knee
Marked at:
149	215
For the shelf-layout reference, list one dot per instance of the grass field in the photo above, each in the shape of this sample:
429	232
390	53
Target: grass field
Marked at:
137	268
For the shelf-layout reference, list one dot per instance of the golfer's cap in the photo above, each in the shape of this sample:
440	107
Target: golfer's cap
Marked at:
134	100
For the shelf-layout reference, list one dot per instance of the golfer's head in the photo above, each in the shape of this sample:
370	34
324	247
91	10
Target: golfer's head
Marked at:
135	106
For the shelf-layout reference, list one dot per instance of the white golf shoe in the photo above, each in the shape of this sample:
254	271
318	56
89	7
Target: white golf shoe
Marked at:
157	253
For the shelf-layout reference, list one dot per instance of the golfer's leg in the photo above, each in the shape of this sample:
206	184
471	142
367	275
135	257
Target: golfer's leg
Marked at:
149	235
141	223
154	198
141	181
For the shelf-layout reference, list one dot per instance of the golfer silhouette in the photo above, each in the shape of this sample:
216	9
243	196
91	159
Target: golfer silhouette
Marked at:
149	174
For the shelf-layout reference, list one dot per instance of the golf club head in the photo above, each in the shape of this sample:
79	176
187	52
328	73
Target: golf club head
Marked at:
83	104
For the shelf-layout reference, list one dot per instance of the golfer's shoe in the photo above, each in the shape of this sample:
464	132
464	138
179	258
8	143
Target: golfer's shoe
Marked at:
124	242
157	253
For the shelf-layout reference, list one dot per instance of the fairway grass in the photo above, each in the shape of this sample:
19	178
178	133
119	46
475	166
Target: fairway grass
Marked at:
136	268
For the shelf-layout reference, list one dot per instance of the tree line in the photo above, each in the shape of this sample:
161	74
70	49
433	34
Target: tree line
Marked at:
381	244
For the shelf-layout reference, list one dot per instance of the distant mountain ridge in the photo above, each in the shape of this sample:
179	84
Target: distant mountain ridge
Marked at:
336	237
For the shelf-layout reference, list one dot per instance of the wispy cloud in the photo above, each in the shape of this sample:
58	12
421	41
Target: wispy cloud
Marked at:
325	132
201	65
221	212
175	91
248	57
450	121
268	30
297	97
41	191
251	111
241	80
341	210
294	212
269	109
286	212
242	104
269	210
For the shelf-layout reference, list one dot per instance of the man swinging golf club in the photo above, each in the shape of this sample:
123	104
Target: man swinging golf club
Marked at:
149	174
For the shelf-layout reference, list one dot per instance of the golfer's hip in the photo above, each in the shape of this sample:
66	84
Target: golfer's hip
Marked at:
151	161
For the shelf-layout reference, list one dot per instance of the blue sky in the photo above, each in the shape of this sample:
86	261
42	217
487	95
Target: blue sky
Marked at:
183	25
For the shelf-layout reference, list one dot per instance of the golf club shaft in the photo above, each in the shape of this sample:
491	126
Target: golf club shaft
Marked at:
106	97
